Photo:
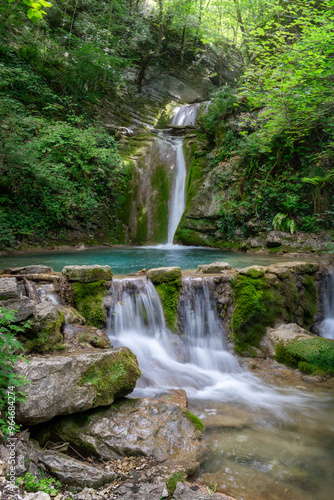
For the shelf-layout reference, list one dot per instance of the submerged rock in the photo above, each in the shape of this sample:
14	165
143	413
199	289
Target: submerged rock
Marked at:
64	384
87	274
135	427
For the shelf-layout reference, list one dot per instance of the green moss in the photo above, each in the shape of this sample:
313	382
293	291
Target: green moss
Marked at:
171	483
112	379
141	235
198	424
256	306
308	300
49	338
309	355
169	294
161	188
88	300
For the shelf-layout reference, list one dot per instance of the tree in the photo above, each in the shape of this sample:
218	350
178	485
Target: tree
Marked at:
35	8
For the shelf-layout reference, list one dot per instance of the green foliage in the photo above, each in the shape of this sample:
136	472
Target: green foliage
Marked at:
314	356
171	482
30	483
10	349
35	8
281	223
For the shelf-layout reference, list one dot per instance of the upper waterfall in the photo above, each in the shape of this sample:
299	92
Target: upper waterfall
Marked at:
327	325
186	115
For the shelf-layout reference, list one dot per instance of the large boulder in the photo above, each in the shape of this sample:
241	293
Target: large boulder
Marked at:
46	325
87	274
164	274
24	308
135	427
9	289
71	383
79	335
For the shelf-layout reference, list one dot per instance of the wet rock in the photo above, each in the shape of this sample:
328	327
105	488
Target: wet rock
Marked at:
24	308
46	325
87	274
70	383
136	427
253	271
74	472
274	239
189	491
34	269
164	274
297	267
176	397
215	267
44	277
76	335
72	316
9	289
254	243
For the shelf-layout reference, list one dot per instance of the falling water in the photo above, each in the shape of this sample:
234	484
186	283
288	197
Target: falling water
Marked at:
327	325
183	116
47	292
198	362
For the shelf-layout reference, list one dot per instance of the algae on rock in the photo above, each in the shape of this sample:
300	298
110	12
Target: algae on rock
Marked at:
168	283
88	300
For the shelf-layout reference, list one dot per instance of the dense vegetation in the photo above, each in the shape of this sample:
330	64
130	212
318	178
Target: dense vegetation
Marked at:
274	130
61	173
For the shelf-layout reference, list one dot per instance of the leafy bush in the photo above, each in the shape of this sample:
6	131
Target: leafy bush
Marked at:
30	483
10	349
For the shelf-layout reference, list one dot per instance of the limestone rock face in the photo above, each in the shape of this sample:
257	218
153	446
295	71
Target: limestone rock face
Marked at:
164	274
34	269
24	307
136	427
74	472
9	289
87	274
215	267
71	383
87	335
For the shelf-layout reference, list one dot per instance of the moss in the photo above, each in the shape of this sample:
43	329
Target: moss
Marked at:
313	355
161	188
112	379
198	424
88	300
190	237
256	306
171	483
289	292
308	300
49	338
169	294
141	235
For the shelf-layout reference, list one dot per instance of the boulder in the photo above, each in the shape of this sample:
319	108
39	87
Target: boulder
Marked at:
190	491
38	495
297	267
9	289
72	316
33	269
74	472
215	267
274	239
135	427
24	308
71	383
253	271
164	274
46	325
86	335
87	274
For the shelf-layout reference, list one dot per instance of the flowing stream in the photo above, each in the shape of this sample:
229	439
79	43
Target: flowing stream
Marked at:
264	440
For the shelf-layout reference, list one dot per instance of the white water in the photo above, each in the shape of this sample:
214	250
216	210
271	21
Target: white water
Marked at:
327	325
178	194
199	363
186	115
46	292
183	116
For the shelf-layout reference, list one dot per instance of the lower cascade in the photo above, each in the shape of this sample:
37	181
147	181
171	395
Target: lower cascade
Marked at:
199	361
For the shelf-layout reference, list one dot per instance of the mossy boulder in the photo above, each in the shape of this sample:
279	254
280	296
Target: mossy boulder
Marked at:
168	283
312	355
87	274
135	427
47	326
88	300
85	336
73	383
253	271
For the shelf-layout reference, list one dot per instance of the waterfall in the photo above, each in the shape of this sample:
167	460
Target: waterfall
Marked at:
183	116
327	325
47	292
178	194
198	361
